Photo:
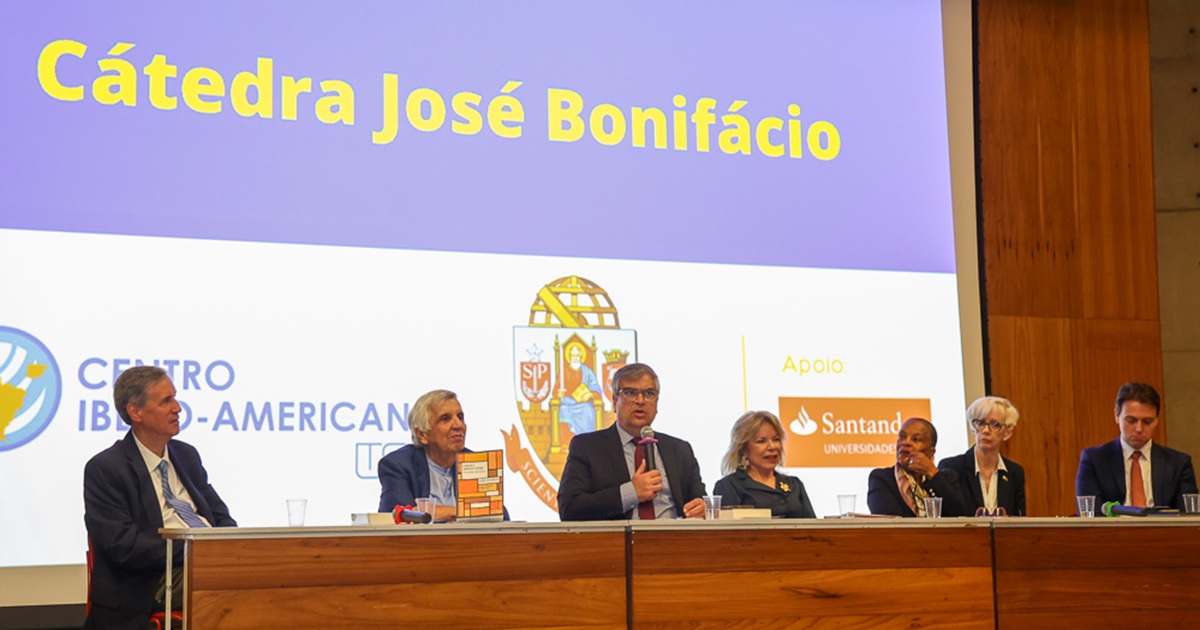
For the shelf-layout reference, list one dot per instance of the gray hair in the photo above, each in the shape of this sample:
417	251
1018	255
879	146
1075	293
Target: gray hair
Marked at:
744	430
984	407
421	413
632	372
131	387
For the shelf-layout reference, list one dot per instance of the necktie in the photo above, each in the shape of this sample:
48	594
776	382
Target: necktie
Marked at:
1137	489
182	508
645	508
914	495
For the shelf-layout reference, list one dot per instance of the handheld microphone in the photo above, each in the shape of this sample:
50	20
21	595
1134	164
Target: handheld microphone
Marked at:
1107	508
405	515
648	443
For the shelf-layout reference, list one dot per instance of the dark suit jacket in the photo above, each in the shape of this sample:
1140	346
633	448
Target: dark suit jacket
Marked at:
737	488
404	476
591	481
883	493
123	516
1010	491
1102	475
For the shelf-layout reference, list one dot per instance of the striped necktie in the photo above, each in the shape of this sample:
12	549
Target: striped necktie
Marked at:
182	508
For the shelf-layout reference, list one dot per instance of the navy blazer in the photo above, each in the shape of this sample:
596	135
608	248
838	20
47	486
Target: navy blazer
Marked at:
1010	491
590	489
737	488
122	516
1102	475
404	476
883	493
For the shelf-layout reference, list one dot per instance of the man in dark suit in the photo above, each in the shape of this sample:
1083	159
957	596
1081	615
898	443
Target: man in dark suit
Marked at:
439	434
125	503
900	490
601	480
1117	471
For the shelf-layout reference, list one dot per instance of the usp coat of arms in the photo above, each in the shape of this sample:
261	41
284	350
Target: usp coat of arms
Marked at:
563	363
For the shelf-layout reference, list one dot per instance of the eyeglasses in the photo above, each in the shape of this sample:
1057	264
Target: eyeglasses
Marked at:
983	512
994	425
632	393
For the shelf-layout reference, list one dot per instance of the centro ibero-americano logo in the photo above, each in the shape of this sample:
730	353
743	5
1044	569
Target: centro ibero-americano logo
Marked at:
30	388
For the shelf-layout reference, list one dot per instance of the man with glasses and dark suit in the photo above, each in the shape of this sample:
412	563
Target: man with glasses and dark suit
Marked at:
607	477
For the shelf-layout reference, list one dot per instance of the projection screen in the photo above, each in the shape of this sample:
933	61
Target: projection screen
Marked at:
311	213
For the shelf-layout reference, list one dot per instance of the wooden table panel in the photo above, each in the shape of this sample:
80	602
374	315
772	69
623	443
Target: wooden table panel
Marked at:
1096	545
1083	574
973	619
878	592
584	602
813	575
727	549
291	562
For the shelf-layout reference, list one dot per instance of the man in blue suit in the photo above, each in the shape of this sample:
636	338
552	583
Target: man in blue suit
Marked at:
1133	470
604	479
126	501
428	466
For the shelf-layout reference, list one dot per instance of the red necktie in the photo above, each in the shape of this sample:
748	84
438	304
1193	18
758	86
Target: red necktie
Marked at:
645	508
1137	490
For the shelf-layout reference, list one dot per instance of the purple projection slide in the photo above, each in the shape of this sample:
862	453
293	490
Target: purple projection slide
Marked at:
805	134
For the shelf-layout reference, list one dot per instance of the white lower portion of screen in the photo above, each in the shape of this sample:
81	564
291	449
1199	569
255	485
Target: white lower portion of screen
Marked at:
330	339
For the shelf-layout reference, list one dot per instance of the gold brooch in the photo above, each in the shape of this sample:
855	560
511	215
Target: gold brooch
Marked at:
783	486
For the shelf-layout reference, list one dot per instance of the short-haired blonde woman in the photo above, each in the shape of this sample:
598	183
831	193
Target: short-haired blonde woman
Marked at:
987	480
751	479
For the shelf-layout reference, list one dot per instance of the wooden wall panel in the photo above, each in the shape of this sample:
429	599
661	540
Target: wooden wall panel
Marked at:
1066	186
1115	178
1032	363
1026	138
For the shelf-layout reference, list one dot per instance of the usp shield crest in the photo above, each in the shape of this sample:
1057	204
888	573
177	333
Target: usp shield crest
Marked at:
563	363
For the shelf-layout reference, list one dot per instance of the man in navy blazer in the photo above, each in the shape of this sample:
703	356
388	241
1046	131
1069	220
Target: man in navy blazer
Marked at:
1105	471
600	482
439	433
124	505
916	445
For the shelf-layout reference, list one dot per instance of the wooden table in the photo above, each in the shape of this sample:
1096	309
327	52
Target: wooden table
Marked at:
951	573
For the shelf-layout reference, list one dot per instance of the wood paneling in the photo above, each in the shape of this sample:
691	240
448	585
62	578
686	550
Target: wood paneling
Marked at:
290	562
560	603
1076	576
1032	363
1066	186
935	577
467	580
1011	573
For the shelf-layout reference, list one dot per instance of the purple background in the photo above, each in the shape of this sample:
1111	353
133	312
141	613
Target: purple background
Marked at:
873	68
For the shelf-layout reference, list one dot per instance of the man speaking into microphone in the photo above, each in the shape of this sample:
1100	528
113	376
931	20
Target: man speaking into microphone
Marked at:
627	471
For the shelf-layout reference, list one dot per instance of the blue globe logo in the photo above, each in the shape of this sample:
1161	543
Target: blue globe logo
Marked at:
30	388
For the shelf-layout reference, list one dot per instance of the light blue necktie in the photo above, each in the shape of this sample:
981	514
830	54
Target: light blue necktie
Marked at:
182	508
